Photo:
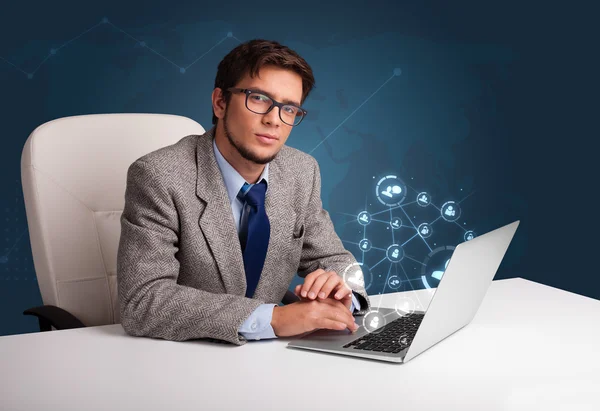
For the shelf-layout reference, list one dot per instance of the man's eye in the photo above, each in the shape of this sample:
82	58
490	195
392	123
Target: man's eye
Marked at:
259	97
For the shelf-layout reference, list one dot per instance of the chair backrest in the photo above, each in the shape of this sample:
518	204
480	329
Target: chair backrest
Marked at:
74	172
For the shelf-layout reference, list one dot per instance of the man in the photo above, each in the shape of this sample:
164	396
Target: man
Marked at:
215	227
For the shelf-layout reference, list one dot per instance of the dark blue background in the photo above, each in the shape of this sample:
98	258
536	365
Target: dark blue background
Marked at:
495	104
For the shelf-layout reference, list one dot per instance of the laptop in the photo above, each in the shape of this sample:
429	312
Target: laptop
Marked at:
400	335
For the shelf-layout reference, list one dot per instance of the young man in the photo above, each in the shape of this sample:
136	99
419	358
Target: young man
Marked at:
216	226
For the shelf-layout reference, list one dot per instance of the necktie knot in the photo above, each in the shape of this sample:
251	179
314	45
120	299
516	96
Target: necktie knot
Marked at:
255	195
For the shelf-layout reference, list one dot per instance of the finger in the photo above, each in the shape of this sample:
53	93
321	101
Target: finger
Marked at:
318	284
343	314
338	311
309	280
332	302
331	324
346	300
332	283
342	291
297	290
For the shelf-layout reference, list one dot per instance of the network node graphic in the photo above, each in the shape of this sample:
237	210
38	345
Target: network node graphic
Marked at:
435	265
400	266
405	306
364	245
395	253
363	218
373	321
450	211
357	276
390	191
425	230
423	199
394	282
396	223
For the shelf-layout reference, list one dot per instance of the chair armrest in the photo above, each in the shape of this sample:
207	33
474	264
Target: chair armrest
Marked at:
52	316
289	298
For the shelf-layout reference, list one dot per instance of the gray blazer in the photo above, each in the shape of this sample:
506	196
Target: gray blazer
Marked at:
180	270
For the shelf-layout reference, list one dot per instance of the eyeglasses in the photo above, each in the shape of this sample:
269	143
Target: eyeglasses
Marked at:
259	103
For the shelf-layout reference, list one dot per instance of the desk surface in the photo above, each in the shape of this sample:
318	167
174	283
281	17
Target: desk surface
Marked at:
530	346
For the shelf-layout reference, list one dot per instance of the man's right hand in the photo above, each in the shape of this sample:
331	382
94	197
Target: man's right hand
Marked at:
304	316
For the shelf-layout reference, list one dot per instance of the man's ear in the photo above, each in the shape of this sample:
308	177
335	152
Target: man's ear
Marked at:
218	102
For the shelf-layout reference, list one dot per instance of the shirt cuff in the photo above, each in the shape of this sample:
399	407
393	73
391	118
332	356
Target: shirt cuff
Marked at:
355	304
258	325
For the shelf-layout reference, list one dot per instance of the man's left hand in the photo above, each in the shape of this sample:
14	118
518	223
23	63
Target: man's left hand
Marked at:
321	284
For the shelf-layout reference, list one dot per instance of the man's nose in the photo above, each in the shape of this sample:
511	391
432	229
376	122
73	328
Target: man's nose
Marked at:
272	117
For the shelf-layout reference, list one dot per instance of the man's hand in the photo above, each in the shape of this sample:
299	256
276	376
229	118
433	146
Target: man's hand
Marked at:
321	284
306	315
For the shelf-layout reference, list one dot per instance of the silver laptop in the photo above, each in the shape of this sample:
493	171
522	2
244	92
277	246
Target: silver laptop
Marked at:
400	335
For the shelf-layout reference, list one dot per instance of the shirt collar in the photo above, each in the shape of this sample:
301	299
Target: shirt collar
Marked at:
233	180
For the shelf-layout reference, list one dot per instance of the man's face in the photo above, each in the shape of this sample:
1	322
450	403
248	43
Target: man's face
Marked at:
243	127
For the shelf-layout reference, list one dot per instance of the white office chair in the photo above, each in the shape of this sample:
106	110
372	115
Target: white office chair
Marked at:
73	172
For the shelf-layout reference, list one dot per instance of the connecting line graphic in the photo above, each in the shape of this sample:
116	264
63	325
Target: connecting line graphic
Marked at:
382	260
397	72
365	218
408	281
394	208
143	44
384	284
393	237
469	195
415	227
421	305
372	248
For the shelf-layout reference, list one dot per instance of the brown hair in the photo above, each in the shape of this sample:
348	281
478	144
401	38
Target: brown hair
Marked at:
249	57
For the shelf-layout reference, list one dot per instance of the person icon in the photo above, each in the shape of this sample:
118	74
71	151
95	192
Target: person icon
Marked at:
364	218
374	322
425	230
395	253
469	236
390	191
450	211
423	199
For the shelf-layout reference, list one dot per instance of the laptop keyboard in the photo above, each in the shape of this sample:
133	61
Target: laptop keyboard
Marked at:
392	337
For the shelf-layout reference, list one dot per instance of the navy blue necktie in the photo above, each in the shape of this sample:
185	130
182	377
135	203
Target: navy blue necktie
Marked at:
255	236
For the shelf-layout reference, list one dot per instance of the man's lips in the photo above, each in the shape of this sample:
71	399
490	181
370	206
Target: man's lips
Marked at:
269	136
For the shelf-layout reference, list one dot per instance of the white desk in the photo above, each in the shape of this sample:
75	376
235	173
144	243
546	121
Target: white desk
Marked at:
529	347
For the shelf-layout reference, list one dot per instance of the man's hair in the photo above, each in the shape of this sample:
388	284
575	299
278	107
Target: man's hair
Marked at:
249	57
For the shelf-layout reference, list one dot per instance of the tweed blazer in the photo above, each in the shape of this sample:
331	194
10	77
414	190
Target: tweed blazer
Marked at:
180	270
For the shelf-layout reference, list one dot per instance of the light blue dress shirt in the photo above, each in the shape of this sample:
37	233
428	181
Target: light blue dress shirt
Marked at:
258	325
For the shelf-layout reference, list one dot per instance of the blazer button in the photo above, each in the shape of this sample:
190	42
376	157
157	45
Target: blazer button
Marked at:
253	326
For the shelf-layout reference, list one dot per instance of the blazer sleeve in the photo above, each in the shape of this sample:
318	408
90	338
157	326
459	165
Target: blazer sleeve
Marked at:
152	303
322	248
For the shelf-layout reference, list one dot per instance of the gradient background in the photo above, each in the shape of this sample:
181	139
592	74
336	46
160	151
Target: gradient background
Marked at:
494	107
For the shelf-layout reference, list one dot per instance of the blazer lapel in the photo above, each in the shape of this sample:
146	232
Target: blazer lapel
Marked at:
217	221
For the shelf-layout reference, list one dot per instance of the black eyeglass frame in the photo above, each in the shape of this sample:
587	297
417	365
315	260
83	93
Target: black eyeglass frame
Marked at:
276	103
